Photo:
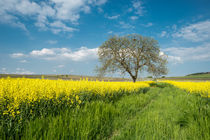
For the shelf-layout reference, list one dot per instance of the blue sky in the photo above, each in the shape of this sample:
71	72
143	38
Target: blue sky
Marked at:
62	36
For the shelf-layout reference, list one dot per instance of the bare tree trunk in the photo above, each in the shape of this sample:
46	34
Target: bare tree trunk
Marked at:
134	78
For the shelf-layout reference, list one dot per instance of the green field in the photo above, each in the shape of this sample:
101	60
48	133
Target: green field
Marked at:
199	76
159	112
206	76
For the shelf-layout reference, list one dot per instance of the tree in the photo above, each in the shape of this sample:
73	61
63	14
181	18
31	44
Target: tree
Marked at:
132	54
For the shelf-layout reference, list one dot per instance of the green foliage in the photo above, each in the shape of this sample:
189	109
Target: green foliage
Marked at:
131	54
160	85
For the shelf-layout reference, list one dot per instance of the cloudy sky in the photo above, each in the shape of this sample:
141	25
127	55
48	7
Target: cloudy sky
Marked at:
62	36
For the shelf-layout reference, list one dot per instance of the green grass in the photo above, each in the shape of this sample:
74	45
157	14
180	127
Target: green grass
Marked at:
191	77
160	112
96	120
199	76
173	115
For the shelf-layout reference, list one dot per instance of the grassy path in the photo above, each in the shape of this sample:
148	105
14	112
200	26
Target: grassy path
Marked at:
160	113
172	115
134	117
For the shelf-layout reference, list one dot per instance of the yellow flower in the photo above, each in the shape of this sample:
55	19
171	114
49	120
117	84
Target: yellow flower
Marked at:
15	91
202	88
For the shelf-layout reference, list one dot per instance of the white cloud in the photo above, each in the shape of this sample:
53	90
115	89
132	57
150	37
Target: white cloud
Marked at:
148	24
68	9
10	10
82	54
23	61
110	32
175	59
59	26
22	71
100	10
52	42
17	71
138	7
163	34
181	54
3	71
99	2
113	17
11	20
43	52
170	58
26	7
134	17
17	55
45	13
125	25
195	32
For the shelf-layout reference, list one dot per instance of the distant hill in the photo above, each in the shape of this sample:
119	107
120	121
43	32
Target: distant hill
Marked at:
200	73
193	76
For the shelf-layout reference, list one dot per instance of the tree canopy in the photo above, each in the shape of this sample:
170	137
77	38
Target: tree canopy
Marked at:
131	54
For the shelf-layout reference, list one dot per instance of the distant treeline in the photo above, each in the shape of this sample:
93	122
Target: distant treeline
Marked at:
64	77
198	73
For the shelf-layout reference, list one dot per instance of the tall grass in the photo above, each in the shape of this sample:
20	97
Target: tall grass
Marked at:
96	120
173	115
159	113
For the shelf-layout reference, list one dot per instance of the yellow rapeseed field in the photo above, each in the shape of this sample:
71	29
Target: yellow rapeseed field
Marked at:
202	88
17	91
